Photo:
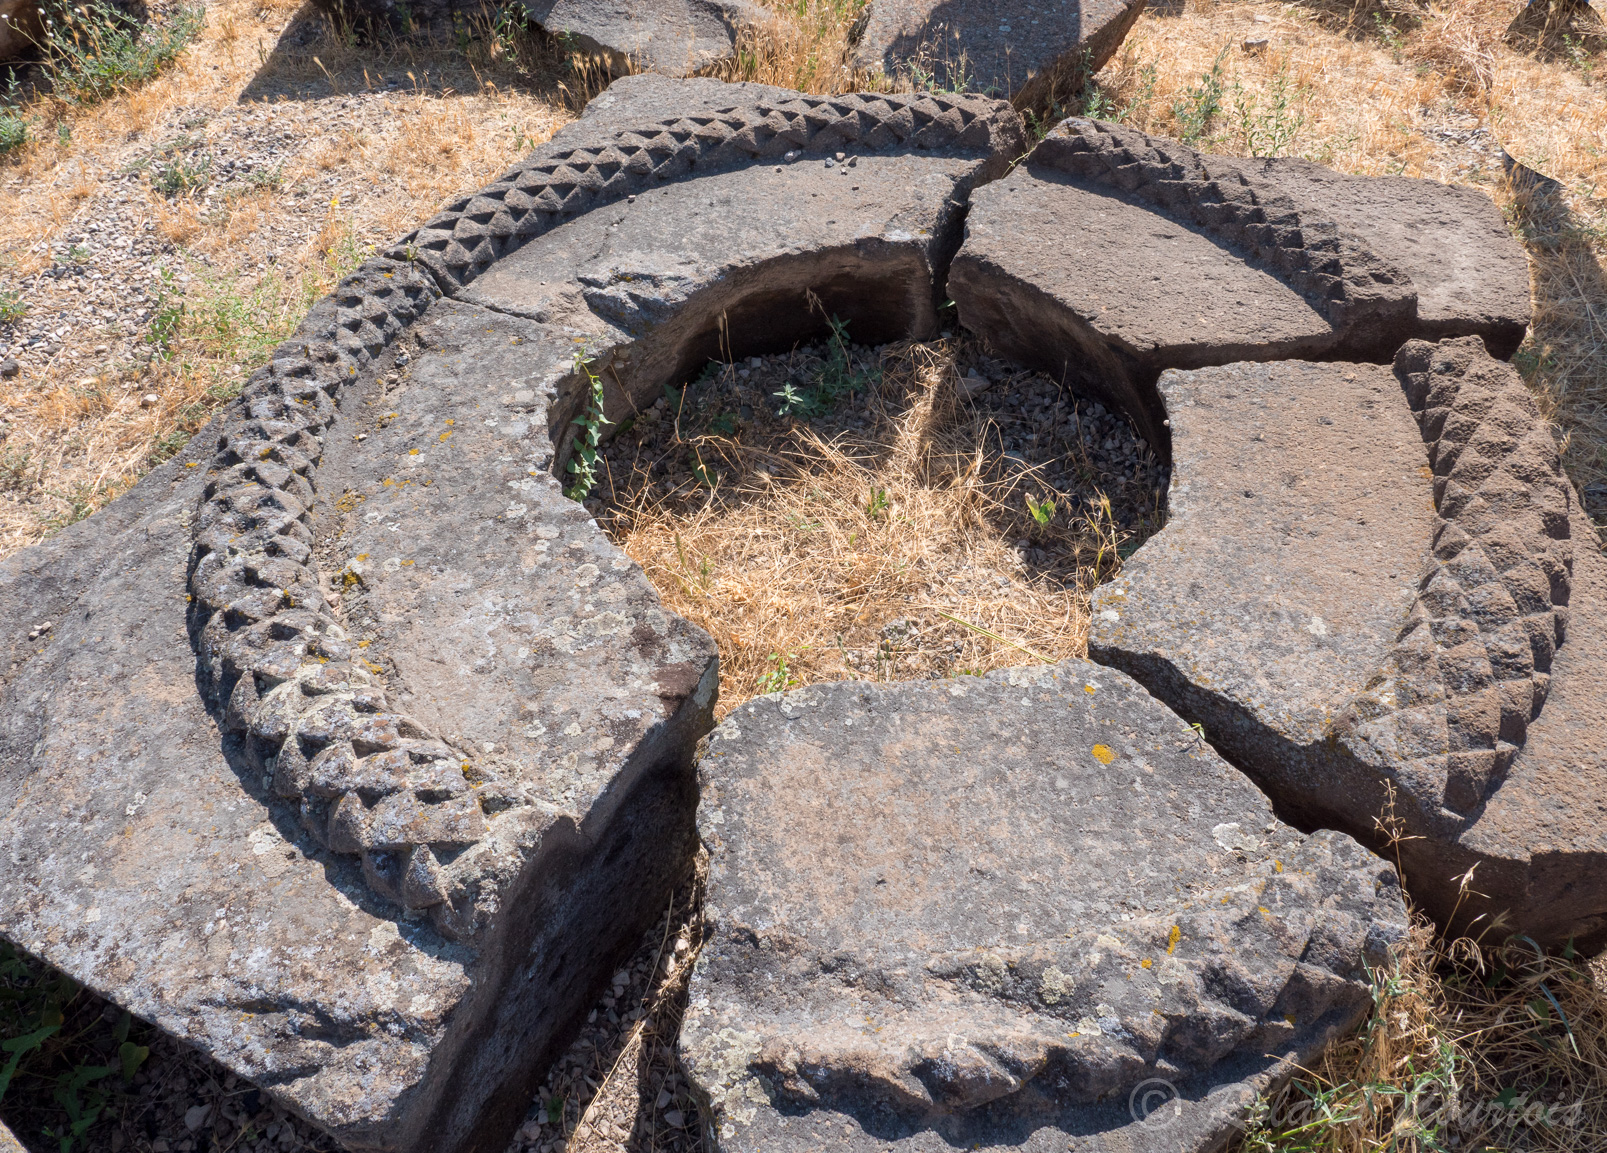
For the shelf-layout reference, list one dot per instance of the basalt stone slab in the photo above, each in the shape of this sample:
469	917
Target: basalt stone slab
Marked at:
1368	627
857	222
402	765
445	779
670	37
1017	48
1471	277
1109	256
994	911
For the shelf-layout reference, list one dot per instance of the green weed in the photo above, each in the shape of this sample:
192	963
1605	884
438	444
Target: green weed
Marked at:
12	307
13	124
54	1035
878	503
1197	107
1042	512
778	677
836	379
182	175
1270	122
93	52
583	465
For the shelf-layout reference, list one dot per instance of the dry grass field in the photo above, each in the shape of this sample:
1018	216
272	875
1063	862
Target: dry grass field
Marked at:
158	237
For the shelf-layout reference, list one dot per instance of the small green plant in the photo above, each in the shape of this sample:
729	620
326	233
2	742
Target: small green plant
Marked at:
94	52
13	124
12	307
1042	512
52	1034
267	179
836	379
1270	122
1200	102
182	175
878	503
1389	34
167	312
778	677
583	465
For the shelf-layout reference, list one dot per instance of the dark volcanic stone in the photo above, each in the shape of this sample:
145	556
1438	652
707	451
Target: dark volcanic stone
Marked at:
1366	653
1472	278
670	37
986	910
505	624
1007	48
1109	256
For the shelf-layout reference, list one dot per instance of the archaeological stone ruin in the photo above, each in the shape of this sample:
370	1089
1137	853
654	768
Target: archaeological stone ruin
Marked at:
356	756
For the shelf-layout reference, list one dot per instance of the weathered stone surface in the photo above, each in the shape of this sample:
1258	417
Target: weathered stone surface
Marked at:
1373	631
1010	48
410	762
1109	256
985	910
670	37
775	234
1471	277
534	805
8	1140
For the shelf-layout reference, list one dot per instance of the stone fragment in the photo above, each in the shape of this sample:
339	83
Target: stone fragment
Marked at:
1109	256
1017	910
1025	51
805	208
1368	626
8	1140
1471	277
670	37
399	953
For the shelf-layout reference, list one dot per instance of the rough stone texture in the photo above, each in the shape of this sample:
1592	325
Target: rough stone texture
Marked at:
652	273
180	885
1013	48
648	131
1471	277
8	1141
1109	256
670	37
1366	638
411	687
985	910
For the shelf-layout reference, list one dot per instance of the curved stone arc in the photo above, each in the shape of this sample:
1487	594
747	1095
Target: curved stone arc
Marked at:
557	183
1353	286
277	664
1430	734
1491	611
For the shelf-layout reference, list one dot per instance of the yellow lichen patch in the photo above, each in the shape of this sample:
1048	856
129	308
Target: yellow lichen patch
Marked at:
1145	963
1104	754
1173	938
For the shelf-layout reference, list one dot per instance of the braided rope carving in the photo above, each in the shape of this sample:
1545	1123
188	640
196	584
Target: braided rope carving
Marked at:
1471	667
1329	267
371	781
558	184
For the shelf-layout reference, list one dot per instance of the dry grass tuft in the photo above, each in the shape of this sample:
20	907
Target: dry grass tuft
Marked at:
1468	1046
882	551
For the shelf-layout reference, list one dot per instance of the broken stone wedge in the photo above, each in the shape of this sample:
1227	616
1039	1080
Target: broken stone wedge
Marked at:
1108	256
670	37
1363	595
1024	51
1030	909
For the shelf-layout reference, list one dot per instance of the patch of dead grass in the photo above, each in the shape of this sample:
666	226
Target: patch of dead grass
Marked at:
880	555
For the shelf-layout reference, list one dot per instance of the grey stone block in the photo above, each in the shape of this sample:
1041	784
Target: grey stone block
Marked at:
670	37
1010	48
1381	640
987	910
